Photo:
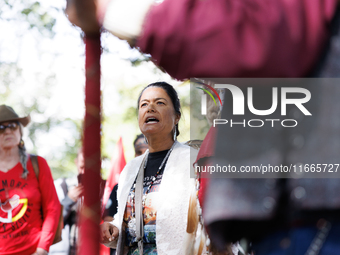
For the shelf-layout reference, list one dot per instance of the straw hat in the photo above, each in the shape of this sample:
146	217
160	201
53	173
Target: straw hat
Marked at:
8	114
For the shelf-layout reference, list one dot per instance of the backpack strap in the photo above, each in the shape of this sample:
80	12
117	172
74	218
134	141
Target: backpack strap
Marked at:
34	160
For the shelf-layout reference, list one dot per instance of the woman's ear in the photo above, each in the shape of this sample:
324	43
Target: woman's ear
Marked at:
177	118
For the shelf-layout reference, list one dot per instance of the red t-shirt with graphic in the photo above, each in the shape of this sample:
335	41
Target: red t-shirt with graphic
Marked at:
29	210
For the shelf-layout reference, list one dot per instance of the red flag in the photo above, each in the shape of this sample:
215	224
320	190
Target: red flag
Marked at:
117	164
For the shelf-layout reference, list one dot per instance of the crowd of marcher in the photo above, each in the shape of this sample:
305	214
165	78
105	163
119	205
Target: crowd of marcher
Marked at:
156	179
157	208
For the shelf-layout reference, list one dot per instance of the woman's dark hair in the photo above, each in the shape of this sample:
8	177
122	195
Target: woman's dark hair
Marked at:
171	93
23	158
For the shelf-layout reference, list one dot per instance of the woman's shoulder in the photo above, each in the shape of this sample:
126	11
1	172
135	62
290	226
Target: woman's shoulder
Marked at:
185	154
39	164
41	161
184	148
135	162
181	146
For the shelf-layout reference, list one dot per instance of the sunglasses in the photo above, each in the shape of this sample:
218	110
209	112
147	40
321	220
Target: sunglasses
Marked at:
12	126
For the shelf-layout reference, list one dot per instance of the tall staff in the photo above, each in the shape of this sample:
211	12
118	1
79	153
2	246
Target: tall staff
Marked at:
90	213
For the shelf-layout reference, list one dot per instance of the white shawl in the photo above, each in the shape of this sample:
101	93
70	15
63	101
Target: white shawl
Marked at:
172	206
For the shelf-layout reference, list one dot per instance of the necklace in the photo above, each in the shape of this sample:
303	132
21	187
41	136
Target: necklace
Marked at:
132	221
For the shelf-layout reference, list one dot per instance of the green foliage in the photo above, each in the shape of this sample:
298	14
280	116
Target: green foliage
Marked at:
137	61
32	18
30	89
29	13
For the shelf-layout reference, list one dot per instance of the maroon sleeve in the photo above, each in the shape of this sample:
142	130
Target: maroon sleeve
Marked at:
50	205
237	38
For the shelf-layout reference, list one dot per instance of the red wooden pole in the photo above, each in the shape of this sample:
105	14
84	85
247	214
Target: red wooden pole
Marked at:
90	213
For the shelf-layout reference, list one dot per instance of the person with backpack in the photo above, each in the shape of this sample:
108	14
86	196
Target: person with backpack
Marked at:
29	205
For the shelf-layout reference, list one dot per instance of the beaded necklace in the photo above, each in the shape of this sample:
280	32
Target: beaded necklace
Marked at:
132	222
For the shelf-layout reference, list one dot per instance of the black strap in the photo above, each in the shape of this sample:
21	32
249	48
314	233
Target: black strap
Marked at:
34	160
139	206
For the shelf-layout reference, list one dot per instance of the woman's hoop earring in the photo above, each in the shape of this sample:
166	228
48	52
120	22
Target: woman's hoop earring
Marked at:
175	134
21	144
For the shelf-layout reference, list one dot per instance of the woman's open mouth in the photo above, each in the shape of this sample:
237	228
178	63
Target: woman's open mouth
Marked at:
151	120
